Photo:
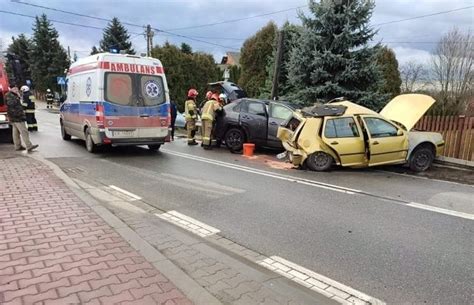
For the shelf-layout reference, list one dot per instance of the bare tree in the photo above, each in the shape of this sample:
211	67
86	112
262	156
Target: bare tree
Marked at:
453	70
412	75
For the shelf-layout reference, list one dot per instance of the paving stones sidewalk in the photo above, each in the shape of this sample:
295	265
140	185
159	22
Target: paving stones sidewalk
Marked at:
220	269
55	250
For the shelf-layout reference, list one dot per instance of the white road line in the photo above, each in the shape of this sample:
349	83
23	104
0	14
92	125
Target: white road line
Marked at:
135	197
267	173
317	282
317	184
441	210
188	223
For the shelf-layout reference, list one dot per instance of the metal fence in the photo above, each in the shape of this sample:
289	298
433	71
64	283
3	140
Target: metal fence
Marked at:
457	131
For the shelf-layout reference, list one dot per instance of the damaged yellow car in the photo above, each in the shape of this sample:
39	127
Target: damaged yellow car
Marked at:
346	134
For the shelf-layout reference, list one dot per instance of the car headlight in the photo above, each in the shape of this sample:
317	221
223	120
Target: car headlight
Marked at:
3	117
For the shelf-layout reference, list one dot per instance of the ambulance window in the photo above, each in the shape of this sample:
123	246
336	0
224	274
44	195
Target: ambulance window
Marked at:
118	88
152	90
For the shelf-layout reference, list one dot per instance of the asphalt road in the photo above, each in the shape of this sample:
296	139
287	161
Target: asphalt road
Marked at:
353	226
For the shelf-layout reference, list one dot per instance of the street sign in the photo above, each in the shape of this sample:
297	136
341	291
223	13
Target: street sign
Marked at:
61	80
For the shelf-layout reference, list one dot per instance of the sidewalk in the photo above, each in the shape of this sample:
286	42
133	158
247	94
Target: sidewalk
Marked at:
65	241
54	249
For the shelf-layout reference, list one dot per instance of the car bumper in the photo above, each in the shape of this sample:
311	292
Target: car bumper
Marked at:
100	138
296	156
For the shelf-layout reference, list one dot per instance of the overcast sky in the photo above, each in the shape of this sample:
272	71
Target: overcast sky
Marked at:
411	40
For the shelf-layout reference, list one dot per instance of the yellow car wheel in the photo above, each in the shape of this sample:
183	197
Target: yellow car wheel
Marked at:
319	161
422	158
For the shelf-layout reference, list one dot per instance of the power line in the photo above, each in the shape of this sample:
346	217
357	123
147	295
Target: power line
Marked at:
52	20
424	16
104	19
71	13
237	20
195	39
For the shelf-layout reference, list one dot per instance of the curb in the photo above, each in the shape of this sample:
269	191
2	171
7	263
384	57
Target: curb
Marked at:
197	294
465	164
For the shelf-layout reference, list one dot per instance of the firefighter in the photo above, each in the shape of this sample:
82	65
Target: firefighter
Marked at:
207	116
28	102
17	117
49	99
208	97
190	115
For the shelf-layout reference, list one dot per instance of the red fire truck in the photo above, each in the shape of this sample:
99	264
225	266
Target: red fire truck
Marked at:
5	130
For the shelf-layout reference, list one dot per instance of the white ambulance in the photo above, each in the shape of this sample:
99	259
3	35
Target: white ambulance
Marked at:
116	99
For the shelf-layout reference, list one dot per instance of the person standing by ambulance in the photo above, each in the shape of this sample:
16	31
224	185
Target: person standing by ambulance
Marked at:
207	116
49	99
17	117
190	115
29	104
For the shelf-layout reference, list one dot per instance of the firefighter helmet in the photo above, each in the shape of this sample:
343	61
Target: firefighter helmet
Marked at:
24	88
48	90
192	93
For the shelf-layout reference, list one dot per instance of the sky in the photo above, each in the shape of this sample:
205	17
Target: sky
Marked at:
412	40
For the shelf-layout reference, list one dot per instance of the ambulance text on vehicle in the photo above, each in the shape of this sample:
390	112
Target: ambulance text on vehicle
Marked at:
116	99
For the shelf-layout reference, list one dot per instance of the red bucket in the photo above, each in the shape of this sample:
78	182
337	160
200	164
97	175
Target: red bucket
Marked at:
248	149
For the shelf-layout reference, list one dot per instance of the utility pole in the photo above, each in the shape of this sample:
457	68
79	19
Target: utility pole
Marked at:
149	40
276	72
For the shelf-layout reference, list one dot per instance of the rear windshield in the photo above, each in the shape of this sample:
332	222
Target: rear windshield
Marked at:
134	89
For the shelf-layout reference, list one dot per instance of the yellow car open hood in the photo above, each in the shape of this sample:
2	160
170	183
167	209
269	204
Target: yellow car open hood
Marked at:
407	109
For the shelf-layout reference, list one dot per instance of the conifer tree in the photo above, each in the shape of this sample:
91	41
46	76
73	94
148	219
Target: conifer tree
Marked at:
388	65
94	50
20	49
48	59
255	55
116	37
332	58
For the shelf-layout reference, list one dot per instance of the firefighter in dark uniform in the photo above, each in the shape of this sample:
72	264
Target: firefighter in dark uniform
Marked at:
28	102
49	99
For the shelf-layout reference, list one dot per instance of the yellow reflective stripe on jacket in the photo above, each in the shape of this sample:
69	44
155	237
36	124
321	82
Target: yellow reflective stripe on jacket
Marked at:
189	105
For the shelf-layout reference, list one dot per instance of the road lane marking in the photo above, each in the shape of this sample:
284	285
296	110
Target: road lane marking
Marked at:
188	223
318	184
267	173
133	196
317	282
440	210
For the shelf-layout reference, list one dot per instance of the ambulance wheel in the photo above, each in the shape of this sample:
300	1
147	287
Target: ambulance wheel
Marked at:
64	134
154	147
319	161
90	145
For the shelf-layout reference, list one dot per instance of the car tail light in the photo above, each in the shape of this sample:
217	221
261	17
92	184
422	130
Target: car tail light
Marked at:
99	115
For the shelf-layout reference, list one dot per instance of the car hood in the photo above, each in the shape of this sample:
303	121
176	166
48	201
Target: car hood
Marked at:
407	109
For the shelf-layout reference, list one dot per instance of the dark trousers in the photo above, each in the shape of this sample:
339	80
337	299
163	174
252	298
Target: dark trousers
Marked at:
31	121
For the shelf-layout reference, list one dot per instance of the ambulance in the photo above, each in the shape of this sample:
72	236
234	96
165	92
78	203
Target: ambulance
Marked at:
116	100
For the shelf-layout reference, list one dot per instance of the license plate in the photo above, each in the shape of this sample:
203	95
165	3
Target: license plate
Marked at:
283	155
123	133
4	126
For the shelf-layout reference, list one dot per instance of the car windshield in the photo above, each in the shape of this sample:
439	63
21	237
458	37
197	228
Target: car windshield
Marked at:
126	89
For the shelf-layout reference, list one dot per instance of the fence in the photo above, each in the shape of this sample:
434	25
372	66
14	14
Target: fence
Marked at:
457	131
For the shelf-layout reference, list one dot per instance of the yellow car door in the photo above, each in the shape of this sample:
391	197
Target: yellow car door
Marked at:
387	142
344	136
